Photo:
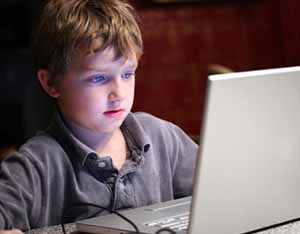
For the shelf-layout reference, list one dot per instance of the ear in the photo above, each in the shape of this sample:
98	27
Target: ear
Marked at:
47	84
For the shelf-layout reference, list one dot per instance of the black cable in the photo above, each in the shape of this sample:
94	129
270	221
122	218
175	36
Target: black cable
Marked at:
165	230
97	206
66	211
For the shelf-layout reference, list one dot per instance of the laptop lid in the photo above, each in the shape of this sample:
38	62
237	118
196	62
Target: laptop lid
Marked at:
248	173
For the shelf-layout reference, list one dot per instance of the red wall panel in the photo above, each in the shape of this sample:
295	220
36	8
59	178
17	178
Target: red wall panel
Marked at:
181	40
290	29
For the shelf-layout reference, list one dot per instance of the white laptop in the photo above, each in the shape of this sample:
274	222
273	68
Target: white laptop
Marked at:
248	170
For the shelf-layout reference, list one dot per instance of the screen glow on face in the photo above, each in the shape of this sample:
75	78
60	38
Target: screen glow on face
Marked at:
101	79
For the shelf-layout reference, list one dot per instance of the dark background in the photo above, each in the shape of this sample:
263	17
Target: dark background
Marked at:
181	41
16	22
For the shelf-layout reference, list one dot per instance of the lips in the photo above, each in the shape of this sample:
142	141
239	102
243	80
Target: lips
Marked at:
114	113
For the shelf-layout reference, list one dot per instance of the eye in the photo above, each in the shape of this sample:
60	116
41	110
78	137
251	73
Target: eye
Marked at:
128	75
98	79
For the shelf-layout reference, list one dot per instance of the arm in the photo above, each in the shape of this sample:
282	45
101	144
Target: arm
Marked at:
19	181
12	231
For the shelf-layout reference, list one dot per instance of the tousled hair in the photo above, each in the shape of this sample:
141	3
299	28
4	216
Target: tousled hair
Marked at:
68	28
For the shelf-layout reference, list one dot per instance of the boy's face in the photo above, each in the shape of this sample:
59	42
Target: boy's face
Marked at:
97	92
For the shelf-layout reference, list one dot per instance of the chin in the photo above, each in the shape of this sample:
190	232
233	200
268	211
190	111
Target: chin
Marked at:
111	127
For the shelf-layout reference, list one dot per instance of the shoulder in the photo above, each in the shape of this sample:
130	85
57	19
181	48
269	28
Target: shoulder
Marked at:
157	128
39	148
153	125
40	142
35	161
147	120
152	122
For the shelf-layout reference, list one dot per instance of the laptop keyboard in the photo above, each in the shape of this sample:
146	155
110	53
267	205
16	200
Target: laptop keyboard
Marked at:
178	222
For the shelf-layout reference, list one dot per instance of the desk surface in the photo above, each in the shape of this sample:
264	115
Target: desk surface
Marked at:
291	228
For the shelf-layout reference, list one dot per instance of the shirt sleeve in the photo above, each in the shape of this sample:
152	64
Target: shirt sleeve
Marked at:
19	180
184	155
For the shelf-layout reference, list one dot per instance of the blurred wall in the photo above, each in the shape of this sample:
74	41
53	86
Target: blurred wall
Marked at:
181	40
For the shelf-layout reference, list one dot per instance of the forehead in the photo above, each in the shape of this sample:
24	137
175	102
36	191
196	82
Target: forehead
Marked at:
104	59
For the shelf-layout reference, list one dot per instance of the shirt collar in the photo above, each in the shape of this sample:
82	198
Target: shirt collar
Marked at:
71	143
136	137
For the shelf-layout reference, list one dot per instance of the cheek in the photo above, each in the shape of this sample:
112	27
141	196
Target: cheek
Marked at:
76	101
131	87
95	99
131	92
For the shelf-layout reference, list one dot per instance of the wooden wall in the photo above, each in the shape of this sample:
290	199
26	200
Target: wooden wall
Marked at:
181	40
291	30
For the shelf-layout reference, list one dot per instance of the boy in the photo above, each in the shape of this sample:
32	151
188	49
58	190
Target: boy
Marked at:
95	150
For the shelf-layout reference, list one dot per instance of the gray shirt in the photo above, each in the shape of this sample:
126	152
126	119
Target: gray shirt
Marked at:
53	171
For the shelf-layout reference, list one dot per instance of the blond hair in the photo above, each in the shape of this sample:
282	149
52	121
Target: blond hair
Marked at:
69	27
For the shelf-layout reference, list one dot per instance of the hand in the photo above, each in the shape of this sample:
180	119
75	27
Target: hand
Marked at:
12	231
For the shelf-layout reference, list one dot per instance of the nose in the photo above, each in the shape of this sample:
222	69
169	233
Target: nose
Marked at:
117	90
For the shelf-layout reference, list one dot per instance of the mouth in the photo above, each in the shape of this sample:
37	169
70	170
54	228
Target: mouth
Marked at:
114	113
